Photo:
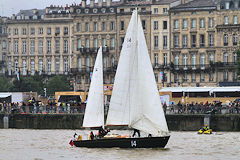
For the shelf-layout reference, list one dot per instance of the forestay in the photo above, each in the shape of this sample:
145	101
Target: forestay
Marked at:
94	113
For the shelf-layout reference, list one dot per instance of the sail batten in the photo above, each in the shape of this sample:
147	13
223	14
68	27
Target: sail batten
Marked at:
135	99
94	113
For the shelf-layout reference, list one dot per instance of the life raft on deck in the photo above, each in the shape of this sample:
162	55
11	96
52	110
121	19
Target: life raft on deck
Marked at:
116	136
202	131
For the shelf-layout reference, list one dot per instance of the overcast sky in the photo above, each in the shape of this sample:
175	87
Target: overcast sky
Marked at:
9	7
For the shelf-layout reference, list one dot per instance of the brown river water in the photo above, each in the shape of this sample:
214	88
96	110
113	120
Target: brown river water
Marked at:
25	144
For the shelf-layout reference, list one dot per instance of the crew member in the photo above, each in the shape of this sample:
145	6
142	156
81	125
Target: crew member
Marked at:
136	131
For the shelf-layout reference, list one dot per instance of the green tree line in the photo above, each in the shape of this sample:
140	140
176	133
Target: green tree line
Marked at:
36	83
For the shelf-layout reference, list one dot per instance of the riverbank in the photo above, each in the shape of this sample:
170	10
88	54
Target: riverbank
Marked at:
182	122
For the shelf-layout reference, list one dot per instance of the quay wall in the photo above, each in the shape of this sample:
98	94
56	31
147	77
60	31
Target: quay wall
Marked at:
177	122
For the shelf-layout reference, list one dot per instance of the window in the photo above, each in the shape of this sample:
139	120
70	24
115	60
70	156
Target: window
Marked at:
24	47
65	46
202	23
40	46
95	43
211	58
155	25
211	76
15	31
226	20
104	43
202	40
194	23
87	42
103	26
234	57
32	46
40	66
155	42
225	58
87	27
235	76
144	24
176	41
112	26
202	61
79	43
225	76
227	4
164	24
95	26
32	31
176	25
156	59
121	10
122	25
156	77
49	66
185	24
104	63
165	62
112	43
176	77
4	44
165	10
16	47
32	67
40	30
211	23
235	20
185	41
79	27
9	67
194	61
65	66
185	60
164	42
235	39
211	40
193	40
202	77
155	10
65	30
57	30
49	48
24	67
57	46
48	31
79	64
176	60
87	64
193	77
225	38
24	31
185	77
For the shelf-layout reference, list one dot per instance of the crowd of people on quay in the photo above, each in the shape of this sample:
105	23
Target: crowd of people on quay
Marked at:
34	107
202	108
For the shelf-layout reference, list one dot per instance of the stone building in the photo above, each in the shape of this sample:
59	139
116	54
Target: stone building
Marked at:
190	42
3	45
204	39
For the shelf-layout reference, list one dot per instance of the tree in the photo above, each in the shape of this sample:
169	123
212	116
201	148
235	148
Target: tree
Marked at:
58	83
27	84
5	85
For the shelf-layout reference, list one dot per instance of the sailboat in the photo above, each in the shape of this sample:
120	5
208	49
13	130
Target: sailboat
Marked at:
135	100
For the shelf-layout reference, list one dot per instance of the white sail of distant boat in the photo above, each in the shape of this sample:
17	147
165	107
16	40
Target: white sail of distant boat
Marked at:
94	113
135	99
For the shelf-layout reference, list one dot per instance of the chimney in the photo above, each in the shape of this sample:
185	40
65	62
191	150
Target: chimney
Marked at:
83	3
109	3
100	3
91	3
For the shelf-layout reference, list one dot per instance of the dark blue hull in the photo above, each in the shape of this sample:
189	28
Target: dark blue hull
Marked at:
142	142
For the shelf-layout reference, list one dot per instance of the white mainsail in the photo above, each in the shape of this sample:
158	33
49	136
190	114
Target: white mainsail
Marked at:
135	99
94	113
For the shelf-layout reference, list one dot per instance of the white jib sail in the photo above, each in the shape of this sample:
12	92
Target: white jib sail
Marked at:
118	113
146	109
94	113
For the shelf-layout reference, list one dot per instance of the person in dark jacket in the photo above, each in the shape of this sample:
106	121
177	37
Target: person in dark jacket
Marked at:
136	131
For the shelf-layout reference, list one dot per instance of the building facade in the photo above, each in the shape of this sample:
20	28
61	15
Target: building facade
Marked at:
3	45
190	42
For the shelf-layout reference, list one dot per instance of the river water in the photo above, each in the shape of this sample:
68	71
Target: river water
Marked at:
24	144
